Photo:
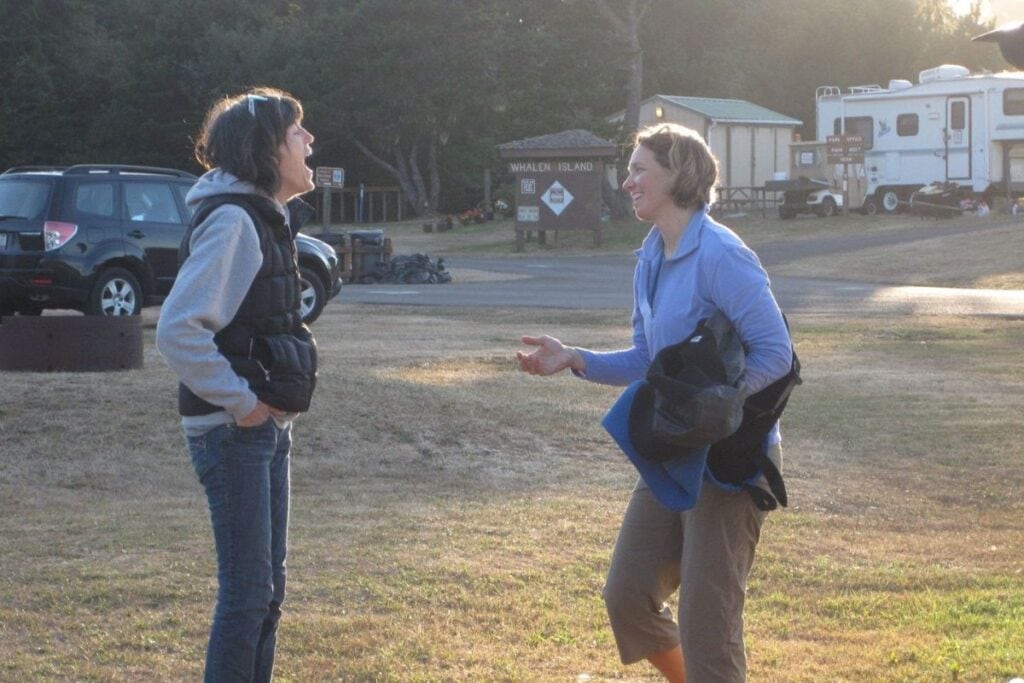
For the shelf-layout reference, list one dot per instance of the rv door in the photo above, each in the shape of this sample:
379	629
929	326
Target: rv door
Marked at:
958	138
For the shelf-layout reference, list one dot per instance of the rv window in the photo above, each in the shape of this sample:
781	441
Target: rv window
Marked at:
957	115
859	125
1013	102
906	125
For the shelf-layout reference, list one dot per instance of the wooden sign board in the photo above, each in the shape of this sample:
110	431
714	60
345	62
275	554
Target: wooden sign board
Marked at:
557	194
844	149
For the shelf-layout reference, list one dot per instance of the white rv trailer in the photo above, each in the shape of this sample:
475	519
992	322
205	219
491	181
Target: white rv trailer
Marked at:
951	126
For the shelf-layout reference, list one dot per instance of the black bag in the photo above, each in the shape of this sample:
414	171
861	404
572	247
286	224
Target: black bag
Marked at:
739	459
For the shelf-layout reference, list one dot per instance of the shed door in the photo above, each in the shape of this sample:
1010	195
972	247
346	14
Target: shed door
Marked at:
958	138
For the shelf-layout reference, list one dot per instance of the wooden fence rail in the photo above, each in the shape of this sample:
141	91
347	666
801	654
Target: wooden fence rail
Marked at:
750	199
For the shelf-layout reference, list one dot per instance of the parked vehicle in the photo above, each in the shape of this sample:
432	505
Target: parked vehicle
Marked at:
806	195
938	200
103	239
319	273
950	127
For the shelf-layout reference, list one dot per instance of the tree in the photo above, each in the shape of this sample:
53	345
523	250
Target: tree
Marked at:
422	91
627	27
415	77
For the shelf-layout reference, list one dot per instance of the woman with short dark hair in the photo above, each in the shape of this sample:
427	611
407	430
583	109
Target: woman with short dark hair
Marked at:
688	268
231	330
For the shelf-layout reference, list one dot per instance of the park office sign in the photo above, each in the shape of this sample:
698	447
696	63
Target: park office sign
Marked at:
558	182
844	149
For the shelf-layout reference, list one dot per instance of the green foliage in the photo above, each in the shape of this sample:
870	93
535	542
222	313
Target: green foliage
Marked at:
129	80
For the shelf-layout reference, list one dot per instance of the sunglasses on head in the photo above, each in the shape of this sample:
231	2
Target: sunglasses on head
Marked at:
252	100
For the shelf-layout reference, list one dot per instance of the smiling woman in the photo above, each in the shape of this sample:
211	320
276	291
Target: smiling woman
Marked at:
689	268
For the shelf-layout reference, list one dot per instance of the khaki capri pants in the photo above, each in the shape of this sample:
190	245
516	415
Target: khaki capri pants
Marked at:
705	552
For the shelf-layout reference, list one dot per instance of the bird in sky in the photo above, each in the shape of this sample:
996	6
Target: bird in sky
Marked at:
1010	38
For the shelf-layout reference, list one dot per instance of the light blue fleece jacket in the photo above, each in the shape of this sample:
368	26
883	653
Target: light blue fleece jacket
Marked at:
711	269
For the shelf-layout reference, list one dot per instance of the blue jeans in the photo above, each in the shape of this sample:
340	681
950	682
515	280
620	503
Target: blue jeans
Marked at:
246	474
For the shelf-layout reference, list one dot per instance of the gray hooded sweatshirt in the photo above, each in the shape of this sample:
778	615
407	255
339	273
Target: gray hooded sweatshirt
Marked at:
224	257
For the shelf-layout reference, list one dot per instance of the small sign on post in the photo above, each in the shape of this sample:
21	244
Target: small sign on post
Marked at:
844	149
329	178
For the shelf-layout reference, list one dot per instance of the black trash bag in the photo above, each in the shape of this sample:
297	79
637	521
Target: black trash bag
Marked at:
937	200
417	269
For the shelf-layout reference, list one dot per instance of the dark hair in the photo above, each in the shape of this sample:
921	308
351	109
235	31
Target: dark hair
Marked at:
242	134
683	151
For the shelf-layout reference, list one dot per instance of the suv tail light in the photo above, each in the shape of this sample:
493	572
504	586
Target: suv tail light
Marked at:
56	234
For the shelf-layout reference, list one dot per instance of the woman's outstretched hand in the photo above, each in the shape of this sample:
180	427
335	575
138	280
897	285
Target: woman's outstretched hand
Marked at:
549	357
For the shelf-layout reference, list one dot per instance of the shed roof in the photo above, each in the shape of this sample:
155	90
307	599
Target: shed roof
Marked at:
736	111
577	140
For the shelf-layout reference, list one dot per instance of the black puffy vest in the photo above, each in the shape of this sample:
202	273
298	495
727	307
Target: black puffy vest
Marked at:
266	342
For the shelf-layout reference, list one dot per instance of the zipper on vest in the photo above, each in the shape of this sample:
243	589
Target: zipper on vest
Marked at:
266	373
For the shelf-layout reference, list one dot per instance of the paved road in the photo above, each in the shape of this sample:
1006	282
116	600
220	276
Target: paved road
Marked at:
596	282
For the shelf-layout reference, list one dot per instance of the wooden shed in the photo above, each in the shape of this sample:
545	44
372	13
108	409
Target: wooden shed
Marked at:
751	142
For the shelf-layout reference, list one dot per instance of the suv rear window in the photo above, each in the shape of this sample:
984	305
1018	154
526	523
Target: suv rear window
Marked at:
152	202
94	198
24	198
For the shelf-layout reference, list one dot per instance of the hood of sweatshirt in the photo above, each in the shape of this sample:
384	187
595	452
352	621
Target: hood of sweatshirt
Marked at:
218	182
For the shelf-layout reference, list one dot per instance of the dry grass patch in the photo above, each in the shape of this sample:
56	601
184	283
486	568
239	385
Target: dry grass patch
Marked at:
453	518
622	236
989	260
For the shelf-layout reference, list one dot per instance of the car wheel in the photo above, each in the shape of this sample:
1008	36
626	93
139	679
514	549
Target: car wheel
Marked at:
870	206
827	208
312	295
116	292
890	201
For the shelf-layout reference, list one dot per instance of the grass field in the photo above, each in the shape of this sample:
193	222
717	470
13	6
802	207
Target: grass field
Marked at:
452	518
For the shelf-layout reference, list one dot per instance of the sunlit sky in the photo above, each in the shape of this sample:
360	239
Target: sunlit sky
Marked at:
1003	11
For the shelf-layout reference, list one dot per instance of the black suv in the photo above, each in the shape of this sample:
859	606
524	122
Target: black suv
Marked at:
103	239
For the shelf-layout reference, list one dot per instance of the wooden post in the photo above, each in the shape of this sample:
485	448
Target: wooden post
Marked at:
846	188
326	207
346	259
357	260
